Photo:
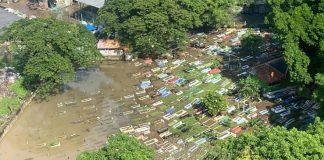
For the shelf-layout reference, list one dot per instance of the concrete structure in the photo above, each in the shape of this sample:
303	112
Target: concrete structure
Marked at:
93	3
6	18
45	4
273	71
88	10
110	49
61	3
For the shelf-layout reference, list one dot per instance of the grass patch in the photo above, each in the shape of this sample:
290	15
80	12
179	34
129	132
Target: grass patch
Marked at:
190	121
155	113
163	108
18	88
1	122
196	129
8	104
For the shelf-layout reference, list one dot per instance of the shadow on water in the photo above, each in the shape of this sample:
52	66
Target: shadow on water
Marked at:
89	80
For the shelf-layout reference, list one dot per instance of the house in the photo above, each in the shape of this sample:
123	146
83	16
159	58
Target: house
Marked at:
236	130
273	71
111	49
47	4
87	10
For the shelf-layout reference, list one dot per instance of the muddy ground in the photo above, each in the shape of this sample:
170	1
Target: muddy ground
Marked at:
77	120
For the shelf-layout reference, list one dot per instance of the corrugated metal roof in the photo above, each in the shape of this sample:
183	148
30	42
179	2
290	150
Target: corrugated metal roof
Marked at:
94	3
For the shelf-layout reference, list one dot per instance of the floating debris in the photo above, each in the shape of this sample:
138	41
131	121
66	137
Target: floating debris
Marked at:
89	107
55	144
68	103
60	104
86	100
129	96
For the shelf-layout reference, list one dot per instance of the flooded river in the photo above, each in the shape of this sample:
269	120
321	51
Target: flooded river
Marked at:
77	120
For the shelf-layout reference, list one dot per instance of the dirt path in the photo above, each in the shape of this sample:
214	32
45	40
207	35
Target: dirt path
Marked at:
74	121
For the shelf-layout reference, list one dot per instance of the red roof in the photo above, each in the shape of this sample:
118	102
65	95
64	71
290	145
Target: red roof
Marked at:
236	129
226	37
215	70
148	61
272	71
108	44
173	80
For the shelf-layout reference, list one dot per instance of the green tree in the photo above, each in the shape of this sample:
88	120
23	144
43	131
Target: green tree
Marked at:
154	27
271	143
251	43
215	103
317	129
318	93
127	148
18	89
47	52
216	63
300	26
247	154
9	104
249	87
120	147
47	72
96	155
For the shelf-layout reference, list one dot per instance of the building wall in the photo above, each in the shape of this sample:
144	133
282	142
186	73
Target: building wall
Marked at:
60	3
65	3
112	54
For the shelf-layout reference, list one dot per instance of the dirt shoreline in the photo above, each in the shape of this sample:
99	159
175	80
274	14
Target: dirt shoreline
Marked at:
14	116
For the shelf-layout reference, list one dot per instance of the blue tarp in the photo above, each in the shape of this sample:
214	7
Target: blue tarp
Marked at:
169	110
161	90
164	92
91	27
145	84
180	81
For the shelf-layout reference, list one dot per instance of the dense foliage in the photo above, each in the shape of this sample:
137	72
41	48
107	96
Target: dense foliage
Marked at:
154	27
249	87
215	103
9	104
47	52
300	25
120	147
18	89
276	143
13	101
251	43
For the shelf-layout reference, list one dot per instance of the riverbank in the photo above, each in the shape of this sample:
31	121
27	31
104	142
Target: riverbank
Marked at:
14	116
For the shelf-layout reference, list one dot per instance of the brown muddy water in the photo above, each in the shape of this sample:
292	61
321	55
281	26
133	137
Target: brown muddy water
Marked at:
74	121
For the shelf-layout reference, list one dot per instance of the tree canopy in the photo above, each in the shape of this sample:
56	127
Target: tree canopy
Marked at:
154	27
251	43
215	103
249	87
47	51
272	143
300	25
120	147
